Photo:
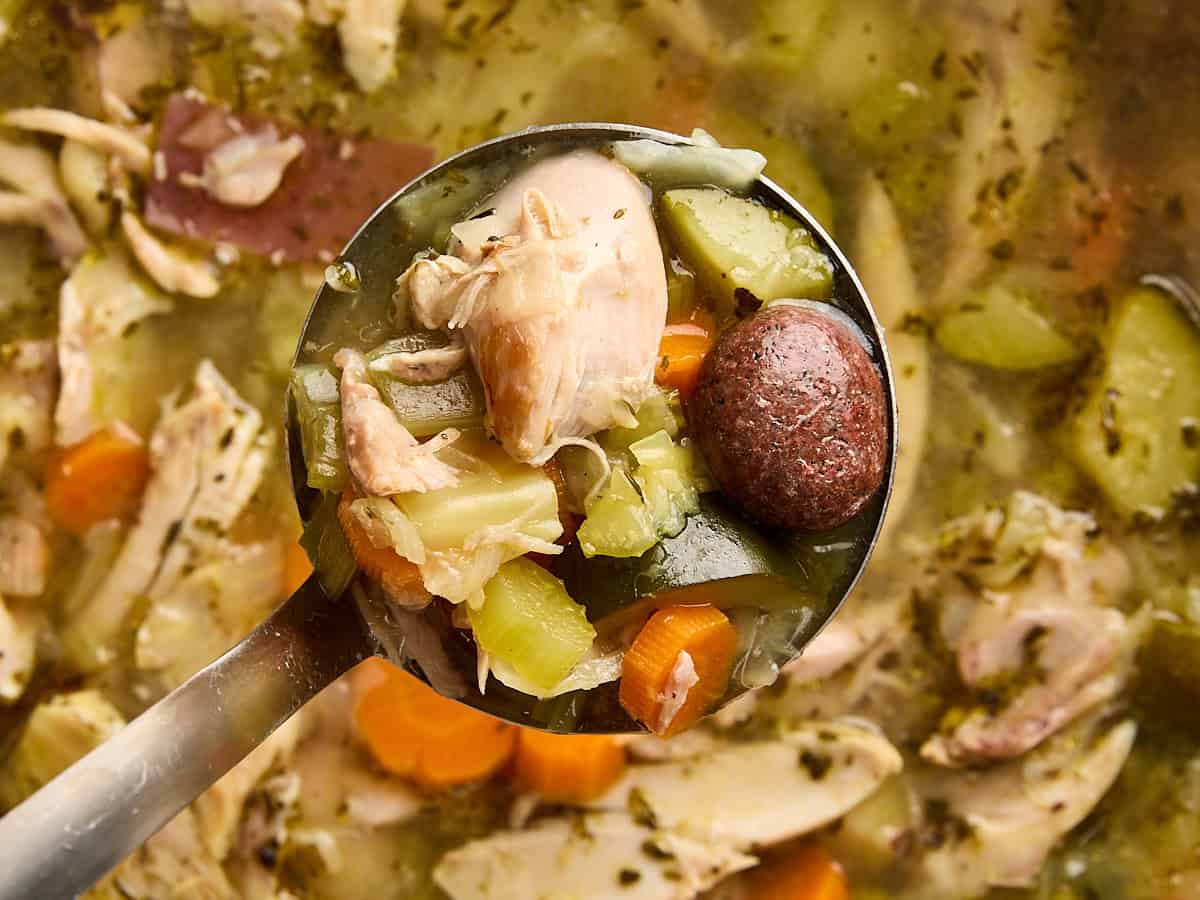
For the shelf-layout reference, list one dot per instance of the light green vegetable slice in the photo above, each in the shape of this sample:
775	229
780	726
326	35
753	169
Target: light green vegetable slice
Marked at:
618	522
59	731
529	621
1137	433
1003	331
736	245
493	491
426	409
325	543
661	411
319	412
667	476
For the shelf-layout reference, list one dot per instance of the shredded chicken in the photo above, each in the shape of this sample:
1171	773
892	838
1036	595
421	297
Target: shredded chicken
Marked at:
114	139
383	457
246	169
171	269
28	383
1001	824
560	293
274	25
370	33
18	647
208	454
675	692
423	366
37	197
584	860
24	557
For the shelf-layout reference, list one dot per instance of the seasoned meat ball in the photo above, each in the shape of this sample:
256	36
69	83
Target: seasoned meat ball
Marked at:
789	412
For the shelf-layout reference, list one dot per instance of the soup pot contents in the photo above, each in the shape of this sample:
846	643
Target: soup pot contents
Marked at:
1003	709
562	463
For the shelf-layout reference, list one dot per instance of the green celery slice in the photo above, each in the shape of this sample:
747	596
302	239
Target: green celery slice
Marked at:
529	621
426	409
319	412
618	522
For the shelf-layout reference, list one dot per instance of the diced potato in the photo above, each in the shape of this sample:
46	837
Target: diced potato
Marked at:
426	409
319	412
58	733
618	522
529	621
737	245
1003	331
494	491
1137	433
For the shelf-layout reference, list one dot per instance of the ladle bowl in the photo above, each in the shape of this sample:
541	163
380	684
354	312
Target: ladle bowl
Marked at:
85	821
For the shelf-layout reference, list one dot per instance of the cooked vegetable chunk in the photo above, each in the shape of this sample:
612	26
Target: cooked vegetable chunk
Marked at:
100	478
790	415
737	245
530	621
413	731
999	329
428	406
59	731
568	768
677	667
319	412
618	522
1137	433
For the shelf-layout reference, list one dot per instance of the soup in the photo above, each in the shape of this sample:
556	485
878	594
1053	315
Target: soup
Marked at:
1002	708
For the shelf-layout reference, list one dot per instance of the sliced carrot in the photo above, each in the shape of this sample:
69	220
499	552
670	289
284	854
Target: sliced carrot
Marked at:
568	768
682	350
398	577
707	636
100	478
808	873
413	731
296	568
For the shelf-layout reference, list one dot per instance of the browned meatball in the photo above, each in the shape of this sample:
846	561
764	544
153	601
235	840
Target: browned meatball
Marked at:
789	412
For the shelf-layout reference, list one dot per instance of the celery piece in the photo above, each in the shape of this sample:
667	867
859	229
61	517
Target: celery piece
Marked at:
1136	434
425	409
666	475
319	412
618	522
529	621
59	732
326	546
1003	331
736	245
661	411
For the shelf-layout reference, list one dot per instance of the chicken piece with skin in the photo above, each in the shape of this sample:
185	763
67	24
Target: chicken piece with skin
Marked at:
560	293
383	457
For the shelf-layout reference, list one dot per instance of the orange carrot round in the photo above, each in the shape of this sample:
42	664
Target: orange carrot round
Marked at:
100	478
296	568
808	873
395	574
681	352
568	768
688	647
413	731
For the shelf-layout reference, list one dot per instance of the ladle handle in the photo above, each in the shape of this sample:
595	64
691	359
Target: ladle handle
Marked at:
69	834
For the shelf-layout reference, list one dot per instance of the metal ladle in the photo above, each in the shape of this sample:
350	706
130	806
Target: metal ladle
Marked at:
79	826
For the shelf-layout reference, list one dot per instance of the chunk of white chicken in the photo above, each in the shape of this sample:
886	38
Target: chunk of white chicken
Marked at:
383	456
37	198
1042	646
18	647
761	792
208	453
24	557
370	33
996	828
560	293
172	269
247	168
597	856
115	140
28	383
273	25
96	304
